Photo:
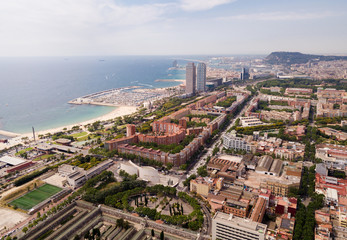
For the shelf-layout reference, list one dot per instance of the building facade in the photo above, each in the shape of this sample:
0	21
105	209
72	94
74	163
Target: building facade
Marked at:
231	141
190	78
228	227
201	77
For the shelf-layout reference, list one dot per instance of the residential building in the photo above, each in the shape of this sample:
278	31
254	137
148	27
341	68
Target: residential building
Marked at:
131	130
200	186
228	227
332	155
250	121
236	208
281	187
258	210
231	141
339	135
298	91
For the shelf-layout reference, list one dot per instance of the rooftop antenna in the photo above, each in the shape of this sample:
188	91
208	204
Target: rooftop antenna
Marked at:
34	134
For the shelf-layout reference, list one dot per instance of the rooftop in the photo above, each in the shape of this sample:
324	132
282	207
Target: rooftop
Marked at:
242	222
12	160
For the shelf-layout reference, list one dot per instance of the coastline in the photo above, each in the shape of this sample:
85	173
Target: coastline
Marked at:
121	110
118	112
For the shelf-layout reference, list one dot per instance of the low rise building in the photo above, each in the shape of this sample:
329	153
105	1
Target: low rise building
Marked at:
290	91
200	186
339	135
236	208
76	176
250	121
267	165
332	155
280	187
227	227
258	210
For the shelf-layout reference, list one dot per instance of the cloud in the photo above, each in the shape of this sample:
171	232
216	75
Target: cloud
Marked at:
279	16
79	12
41	27
200	5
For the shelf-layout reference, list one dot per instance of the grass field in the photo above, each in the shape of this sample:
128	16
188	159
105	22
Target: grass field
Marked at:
78	135
44	157
36	196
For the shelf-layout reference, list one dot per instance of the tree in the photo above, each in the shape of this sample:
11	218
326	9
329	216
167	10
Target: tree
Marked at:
87	235
38	214
169	166
215	151
24	230
126	224
202	171
77	237
152	232
120	222
162	235
96	232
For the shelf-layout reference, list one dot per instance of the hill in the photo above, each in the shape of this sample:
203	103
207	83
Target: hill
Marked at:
288	58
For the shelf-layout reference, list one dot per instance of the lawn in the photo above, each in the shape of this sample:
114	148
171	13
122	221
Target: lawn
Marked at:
80	134
24	151
36	196
44	157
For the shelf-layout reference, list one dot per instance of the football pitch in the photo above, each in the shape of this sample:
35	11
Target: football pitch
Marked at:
36	196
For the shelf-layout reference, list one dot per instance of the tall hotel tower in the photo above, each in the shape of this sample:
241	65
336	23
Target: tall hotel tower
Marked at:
201	77
190	78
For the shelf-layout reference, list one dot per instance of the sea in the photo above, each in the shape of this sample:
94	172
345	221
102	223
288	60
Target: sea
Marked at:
34	91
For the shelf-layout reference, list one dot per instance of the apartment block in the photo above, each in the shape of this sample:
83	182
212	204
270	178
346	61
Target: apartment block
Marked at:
231	141
229	227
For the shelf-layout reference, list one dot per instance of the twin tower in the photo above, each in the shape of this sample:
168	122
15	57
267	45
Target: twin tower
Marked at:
195	78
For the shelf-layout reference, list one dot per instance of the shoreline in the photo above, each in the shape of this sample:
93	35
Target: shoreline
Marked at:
118	112
121	110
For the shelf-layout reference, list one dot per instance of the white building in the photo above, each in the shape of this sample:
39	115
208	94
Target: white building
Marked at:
331	196
76	176
250	121
231	141
146	173
229	227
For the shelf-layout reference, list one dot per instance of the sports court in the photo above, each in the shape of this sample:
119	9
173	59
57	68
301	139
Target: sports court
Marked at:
36	196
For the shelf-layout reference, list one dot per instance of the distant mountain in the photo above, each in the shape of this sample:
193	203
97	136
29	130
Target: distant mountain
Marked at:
288	58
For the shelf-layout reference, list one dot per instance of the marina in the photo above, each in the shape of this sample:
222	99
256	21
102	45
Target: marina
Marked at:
126	96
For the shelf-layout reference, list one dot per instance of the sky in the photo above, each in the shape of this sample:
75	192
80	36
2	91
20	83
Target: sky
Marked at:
172	27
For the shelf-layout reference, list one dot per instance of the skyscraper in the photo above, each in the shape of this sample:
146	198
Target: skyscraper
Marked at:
190	78
244	74
201	77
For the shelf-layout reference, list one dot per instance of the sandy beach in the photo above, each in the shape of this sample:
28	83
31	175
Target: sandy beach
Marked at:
119	111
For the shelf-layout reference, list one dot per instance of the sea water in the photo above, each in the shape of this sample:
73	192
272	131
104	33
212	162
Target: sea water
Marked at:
34	91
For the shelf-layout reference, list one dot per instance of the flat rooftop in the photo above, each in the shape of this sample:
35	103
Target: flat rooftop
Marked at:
230	158
12	160
242	222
